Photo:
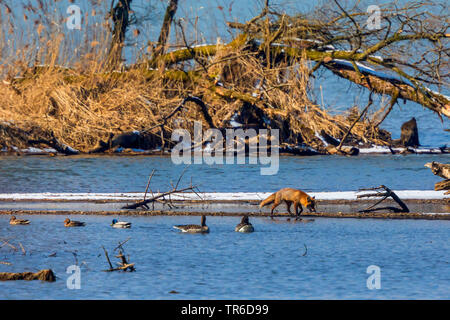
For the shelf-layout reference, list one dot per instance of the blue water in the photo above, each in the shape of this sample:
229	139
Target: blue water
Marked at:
130	174
270	263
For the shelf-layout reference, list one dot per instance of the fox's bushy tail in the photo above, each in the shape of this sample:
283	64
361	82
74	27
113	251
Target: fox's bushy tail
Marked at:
267	201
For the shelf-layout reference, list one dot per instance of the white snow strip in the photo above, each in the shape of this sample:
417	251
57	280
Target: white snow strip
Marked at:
321	138
382	149
216	196
360	65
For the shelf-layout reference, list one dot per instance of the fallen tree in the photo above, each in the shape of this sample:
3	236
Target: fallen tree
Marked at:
260	79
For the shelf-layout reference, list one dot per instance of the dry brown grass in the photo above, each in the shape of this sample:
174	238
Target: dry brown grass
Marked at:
85	104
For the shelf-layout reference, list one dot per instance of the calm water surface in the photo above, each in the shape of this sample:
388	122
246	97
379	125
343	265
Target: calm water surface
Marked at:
270	263
130	174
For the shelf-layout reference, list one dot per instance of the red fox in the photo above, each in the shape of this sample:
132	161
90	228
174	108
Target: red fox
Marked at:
290	196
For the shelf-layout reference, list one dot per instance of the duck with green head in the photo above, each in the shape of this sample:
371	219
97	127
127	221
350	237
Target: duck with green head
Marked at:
120	224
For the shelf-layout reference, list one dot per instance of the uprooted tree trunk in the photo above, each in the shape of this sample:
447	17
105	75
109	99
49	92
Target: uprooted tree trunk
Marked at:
384	195
43	275
441	170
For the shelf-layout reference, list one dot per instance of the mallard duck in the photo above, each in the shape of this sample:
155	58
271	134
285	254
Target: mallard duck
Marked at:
16	221
69	223
120	224
244	226
194	228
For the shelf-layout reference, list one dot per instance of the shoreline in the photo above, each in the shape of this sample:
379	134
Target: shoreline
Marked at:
372	150
432	206
147	213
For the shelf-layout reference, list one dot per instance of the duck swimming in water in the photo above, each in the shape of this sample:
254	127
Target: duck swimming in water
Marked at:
194	228
244	226
120	224
15	221
69	223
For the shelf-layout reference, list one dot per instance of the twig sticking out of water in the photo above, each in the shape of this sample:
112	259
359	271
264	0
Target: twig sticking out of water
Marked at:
124	265
5	242
107	258
23	249
306	250
148	183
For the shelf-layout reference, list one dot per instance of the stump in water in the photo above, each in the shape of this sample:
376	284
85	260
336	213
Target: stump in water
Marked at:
409	134
43	275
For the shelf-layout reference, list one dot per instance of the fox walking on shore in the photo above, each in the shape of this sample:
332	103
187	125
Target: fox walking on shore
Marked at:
290	196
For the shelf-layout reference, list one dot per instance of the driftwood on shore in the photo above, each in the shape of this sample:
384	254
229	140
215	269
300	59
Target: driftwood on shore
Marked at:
43	275
384	195
161	197
442	170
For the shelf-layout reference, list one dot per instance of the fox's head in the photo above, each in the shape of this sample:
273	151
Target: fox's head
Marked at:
311	204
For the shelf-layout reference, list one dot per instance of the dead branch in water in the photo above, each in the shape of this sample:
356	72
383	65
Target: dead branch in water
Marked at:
388	193
123	265
5	242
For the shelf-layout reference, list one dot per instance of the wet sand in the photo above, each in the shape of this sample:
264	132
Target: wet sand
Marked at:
420	209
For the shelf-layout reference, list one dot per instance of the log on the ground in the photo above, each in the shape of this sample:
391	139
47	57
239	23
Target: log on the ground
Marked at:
43	275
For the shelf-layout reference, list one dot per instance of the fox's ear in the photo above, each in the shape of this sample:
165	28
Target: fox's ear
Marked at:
314	197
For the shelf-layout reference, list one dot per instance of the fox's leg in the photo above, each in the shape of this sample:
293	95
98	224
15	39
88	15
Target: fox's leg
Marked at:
276	203
288	205
297	213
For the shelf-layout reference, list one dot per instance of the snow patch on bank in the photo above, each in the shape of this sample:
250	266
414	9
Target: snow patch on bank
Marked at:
216	196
